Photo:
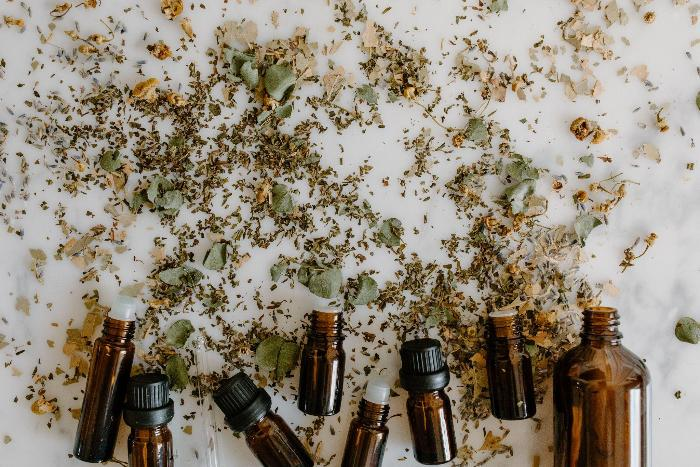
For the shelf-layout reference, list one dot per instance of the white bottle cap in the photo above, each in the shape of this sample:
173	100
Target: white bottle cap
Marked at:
378	389
124	308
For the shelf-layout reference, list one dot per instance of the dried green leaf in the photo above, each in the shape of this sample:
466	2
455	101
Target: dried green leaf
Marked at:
279	81
390	232
326	284
236	59
176	371
476	131
587	159
281	199
157	187
277	354
137	200
367	94
249	75
688	330
498	6
284	111
178	332
215	259
518	194
277	270
183	275
111	160
583	226
520	169
367	291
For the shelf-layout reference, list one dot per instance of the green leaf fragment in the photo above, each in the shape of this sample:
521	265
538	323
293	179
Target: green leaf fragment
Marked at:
326	284
279	81
176	371
249	75
587	159
183	275
277	354
178	332
476	131
518	194
281	199
498	6
111	160
367	291
215	258
688	330
521	169
277	270
390	232
284	111
367	94
583	226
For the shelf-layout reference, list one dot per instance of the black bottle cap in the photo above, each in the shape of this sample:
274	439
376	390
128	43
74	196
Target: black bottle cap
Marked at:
148	401
241	401
423	367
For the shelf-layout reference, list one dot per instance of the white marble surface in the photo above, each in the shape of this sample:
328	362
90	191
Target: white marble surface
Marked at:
662	287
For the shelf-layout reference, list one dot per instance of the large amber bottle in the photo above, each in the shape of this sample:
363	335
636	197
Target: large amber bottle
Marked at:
601	399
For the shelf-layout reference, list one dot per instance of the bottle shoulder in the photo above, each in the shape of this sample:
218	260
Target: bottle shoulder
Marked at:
602	362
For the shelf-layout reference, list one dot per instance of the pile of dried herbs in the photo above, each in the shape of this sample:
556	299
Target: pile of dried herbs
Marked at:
226	168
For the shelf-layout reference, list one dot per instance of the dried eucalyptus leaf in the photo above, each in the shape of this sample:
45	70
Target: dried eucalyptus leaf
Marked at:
326	284
215	259
277	354
587	159
518	194
367	94
158	185
137	200
277	270
284	111
304	274
476	131
236	59
281	199
521	169
183	275
279	81
583	226
178	332
688	330
498	6
249	75
176	371
170	201
367	291
390	232
111	160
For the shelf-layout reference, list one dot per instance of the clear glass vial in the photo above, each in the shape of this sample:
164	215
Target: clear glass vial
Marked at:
247	411
110	366
424	374
601	399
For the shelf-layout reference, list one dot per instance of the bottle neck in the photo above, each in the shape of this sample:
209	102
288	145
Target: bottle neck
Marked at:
118	331
147	431
504	327
371	414
326	326
600	324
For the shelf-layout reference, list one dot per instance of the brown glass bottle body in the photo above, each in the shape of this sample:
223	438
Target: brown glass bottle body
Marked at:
367	436
151	447
430	418
601	395
275	444
110	366
509	370
322	366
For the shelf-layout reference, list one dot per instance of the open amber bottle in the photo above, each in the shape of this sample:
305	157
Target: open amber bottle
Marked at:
509	368
601	399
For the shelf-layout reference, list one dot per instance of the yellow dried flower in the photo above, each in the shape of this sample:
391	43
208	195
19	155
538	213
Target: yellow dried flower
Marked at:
581	128
581	196
98	39
160	50
409	92
599	135
186	26
10	21
87	49
90	3
649	17
651	238
73	35
146	90
171	8
175	99
457	140
661	122
61	9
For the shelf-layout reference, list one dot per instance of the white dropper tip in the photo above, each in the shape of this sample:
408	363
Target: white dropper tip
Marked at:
124	308
378	389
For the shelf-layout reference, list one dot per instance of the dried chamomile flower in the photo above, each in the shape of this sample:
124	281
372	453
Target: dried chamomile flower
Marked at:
171	8
175	99
581	128
146	90
160	50
599	135
87	49
98	39
649	17
10	21
90	3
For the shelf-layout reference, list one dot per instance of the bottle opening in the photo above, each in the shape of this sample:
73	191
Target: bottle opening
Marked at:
601	322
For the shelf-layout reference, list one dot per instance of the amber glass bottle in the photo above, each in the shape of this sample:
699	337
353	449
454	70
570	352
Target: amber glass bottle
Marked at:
247	410
110	365
424	374
601	397
509	368
322	365
148	410
368	431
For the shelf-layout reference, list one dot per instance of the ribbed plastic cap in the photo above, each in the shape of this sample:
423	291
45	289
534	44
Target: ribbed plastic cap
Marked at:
124	308
378	389
148	401
423	366
241	401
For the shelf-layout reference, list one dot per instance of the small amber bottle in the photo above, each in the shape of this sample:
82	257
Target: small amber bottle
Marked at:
322	365
509	368
601	399
110	365
368	431
148	410
247	410
424	374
